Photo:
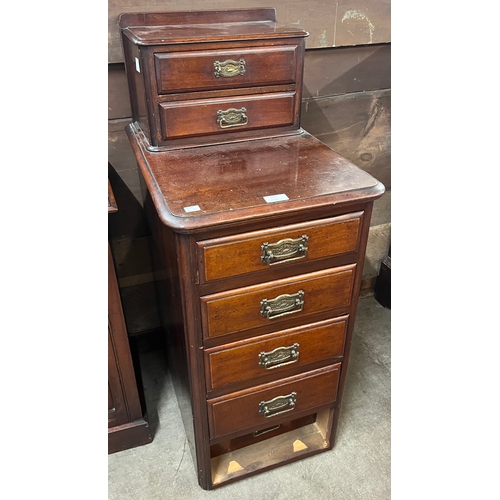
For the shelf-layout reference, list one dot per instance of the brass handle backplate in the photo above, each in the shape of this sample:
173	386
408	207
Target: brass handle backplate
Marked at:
232	118
229	68
284	250
280	356
278	405
282	305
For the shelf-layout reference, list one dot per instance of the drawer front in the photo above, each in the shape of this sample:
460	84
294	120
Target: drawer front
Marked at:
209	70
267	403
260	305
219	116
261	250
297	347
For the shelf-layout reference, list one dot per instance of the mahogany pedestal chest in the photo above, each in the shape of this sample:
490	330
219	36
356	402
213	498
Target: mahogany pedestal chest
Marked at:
259	235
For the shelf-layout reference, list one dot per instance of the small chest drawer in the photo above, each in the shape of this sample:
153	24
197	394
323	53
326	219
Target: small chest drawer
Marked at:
267	403
260	250
270	303
225	69
246	361
217	116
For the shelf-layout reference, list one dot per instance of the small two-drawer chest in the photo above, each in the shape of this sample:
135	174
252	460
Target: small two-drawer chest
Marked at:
259	236
203	77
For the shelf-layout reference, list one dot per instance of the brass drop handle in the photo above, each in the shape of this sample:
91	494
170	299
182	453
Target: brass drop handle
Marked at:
282	305
278	405
281	356
229	68
232	118
284	250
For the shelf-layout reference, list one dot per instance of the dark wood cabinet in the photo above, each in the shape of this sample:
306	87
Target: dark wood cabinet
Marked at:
127	420
259	234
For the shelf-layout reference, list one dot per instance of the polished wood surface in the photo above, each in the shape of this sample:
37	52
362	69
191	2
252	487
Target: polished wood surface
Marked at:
194	70
229	183
240	362
239	411
215	25
232	256
199	117
239	310
112	207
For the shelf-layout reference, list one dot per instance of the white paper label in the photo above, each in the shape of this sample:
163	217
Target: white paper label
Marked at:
192	208
275	197
137	65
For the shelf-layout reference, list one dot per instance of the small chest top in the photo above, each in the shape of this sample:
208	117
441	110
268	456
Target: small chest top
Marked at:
205	26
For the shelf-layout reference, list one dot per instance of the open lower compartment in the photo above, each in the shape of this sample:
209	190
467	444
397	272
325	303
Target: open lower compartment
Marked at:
269	447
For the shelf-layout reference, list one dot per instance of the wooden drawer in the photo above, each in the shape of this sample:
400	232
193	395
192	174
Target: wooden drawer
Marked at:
266	404
260	250
219	116
225	69
272	303
246	361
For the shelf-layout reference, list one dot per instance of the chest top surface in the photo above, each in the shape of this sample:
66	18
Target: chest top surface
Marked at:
229	182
